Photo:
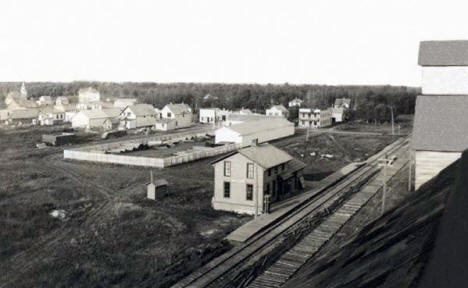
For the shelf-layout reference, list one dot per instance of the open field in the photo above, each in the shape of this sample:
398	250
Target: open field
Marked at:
343	148
113	234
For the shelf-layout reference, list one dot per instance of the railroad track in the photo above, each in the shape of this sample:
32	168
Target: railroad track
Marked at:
221	269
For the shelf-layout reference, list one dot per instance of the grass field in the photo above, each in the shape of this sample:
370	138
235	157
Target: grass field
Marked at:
111	234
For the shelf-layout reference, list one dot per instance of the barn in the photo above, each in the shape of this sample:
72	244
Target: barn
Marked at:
264	130
441	120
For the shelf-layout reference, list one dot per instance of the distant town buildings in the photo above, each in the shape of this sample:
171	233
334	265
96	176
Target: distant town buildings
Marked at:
278	110
314	118
212	115
249	178
296	102
441	118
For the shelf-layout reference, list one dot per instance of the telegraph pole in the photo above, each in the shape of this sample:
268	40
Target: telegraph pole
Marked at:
393	124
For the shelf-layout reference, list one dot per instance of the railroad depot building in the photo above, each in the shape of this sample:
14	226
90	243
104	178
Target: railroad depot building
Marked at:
244	178
440	130
265	129
314	118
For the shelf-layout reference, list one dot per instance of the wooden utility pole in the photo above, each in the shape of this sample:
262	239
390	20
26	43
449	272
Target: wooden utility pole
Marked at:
410	170
256	190
393	123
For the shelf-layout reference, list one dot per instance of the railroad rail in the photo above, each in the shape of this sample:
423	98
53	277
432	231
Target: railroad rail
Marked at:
225	267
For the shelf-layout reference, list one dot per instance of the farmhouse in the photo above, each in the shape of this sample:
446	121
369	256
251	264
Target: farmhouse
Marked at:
278	110
263	130
104	119
243	179
441	118
296	102
181	113
314	118
138	116
211	115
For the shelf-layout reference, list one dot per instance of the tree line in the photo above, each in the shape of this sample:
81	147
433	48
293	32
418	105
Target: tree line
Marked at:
369	103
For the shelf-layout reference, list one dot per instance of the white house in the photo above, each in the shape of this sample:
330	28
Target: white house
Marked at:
124	102
244	179
51	116
138	116
211	115
105	119
264	130
45	101
181	113
314	118
278	110
88	95
62	100
296	102
440	132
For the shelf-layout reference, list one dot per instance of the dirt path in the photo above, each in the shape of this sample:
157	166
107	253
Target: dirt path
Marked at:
341	148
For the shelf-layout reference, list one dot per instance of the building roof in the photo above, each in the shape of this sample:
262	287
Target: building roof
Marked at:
296	100
443	53
94	114
279	107
251	127
179	108
159	182
265	155
88	90
441	123
112	112
391	251
342	101
247	117
142	109
24	114
293	166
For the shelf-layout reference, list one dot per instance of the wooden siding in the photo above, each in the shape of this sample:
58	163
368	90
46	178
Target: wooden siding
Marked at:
430	163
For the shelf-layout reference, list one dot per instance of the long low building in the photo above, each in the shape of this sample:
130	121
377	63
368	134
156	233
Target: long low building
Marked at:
264	130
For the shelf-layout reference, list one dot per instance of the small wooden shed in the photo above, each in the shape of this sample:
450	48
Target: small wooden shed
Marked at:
156	189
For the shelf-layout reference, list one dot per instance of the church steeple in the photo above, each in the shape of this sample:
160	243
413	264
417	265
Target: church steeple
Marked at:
23	91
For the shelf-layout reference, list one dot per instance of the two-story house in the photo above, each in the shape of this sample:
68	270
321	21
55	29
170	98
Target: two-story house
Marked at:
314	118
245	177
212	115
138	116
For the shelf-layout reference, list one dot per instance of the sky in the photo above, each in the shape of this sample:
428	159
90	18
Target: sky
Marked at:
244	41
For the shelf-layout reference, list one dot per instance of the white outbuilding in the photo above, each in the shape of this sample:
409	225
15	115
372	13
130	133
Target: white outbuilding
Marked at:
264	130
278	110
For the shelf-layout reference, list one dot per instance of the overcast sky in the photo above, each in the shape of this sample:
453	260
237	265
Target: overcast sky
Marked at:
324	42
